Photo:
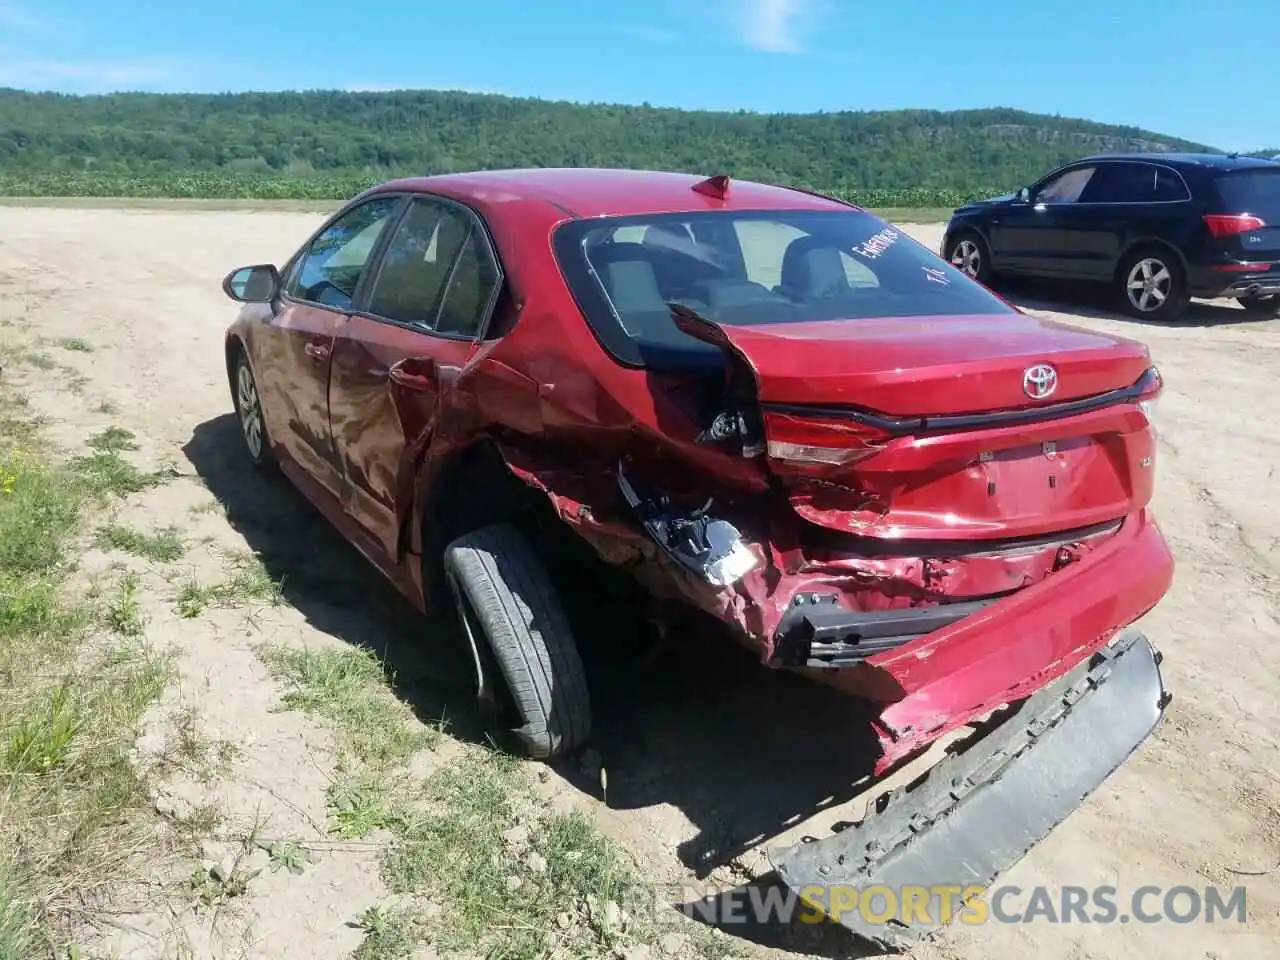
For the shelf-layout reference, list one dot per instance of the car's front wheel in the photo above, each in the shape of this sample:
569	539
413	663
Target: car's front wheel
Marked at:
968	253
1153	285
1263	305
529	675
249	412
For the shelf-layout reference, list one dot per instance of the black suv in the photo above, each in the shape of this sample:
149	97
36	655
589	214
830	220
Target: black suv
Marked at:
1160	228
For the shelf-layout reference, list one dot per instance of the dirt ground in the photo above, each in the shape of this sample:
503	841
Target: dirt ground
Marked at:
709	762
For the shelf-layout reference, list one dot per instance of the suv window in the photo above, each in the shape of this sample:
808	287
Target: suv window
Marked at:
1252	191
419	262
1121	183
1065	187
329	271
1170	186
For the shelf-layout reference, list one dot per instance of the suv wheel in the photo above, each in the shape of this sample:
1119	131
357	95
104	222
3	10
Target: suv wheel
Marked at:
1265	305
529	675
1153	285
968	253
249	412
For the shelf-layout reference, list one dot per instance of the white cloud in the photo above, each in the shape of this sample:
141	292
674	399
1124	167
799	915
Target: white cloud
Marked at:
87	76
773	25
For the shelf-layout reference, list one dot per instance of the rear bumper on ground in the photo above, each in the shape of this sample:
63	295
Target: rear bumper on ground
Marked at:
1006	650
979	811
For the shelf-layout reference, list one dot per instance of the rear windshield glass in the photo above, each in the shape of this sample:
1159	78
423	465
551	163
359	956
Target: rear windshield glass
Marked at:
748	268
1252	191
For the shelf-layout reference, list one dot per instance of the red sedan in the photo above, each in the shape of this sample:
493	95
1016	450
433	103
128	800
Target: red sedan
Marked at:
762	402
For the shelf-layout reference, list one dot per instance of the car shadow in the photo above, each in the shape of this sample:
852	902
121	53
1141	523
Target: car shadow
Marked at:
1098	303
693	721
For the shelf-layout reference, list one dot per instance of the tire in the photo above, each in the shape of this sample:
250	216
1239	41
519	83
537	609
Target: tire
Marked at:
1152	285
253	426
1263	305
517	627
969	254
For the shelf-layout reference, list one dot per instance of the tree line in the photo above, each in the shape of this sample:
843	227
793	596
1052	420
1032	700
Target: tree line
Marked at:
340	137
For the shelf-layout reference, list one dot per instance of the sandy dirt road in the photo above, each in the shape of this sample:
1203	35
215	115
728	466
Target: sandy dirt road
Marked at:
704	764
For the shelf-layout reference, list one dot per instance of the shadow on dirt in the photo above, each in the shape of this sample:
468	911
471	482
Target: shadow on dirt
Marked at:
1099	303
694	722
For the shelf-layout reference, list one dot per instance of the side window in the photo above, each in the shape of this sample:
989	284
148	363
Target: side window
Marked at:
471	288
416	267
1122	183
1170	186
1066	187
330	270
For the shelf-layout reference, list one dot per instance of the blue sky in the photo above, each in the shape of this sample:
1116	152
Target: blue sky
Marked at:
1207	70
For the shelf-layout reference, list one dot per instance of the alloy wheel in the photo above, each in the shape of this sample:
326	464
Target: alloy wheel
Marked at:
250	410
967	258
1149	284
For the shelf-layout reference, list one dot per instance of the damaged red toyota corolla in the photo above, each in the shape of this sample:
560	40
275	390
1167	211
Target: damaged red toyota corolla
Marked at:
762	402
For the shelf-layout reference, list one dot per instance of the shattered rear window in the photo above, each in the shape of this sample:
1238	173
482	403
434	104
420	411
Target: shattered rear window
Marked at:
747	268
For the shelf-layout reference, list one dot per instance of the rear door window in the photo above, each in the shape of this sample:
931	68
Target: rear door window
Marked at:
1121	183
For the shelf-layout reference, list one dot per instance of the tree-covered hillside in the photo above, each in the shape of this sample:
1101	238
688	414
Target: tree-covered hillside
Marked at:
336	135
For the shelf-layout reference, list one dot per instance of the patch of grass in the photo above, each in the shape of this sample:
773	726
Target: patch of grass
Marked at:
349	688
123	613
106	473
106	407
287	855
190	749
914	214
249	582
164	545
41	361
113	440
360	805
76	344
72	806
388	933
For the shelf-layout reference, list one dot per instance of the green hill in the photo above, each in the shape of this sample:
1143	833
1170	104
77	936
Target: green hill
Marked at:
319	142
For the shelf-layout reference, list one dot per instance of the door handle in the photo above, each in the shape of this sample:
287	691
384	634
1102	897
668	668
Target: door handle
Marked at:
414	373
317	351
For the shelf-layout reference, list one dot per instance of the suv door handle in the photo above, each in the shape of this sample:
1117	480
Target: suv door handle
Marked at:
414	373
317	351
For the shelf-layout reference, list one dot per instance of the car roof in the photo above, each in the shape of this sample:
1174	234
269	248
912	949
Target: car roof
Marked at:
1212	161
596	191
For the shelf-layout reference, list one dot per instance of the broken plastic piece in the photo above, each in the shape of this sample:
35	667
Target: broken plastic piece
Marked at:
711	548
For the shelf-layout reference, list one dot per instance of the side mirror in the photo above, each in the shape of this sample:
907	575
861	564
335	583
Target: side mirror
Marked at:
257	284
1024	195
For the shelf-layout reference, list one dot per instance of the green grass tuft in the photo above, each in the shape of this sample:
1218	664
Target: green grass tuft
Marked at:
164	545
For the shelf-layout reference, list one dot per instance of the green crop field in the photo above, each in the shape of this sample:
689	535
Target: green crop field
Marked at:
221	187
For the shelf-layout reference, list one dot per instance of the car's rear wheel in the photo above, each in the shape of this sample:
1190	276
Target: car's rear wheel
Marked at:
968	253
529	676
1153	285
1264	305
249	412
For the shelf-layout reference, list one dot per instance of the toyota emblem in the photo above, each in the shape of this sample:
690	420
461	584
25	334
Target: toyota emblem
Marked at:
1039	381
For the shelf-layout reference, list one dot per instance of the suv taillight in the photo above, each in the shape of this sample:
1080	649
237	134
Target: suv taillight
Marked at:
1230	224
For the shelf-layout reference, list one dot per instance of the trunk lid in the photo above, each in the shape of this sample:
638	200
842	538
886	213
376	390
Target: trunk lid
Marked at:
927	428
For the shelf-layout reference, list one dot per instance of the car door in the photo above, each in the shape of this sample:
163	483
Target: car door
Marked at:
1028	237
295	349
395	360
1115	205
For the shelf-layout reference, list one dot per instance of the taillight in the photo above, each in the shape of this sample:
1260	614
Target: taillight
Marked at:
1152	388
1230	224
817	441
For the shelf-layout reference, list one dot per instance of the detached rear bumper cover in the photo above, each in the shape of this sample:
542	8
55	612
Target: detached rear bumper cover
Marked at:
977	813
